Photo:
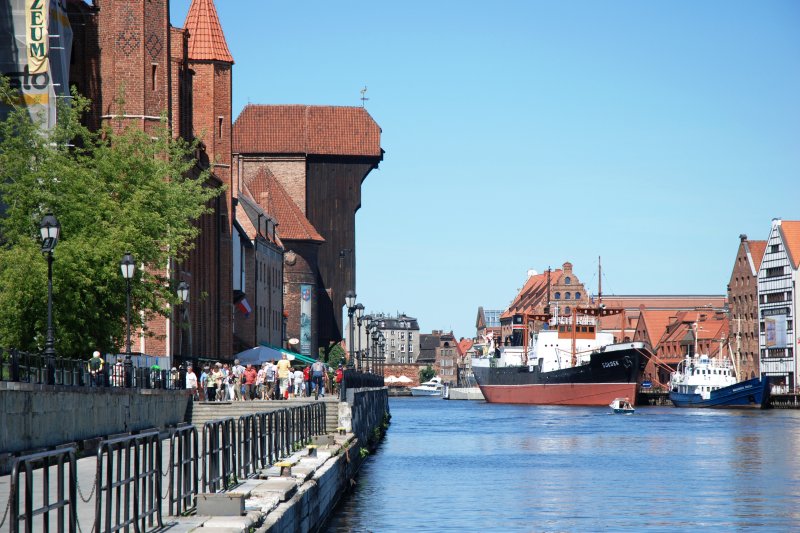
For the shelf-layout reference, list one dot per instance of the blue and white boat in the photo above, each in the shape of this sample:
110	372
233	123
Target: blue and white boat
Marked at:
621	406
705	382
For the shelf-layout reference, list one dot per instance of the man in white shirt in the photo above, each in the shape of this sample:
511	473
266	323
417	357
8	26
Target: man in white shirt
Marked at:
191	381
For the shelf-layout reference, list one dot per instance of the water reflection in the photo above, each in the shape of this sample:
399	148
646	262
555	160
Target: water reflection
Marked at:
467	466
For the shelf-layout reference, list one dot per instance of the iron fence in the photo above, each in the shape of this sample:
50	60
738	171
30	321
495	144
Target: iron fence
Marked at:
130	470
23	477
353	379
24	367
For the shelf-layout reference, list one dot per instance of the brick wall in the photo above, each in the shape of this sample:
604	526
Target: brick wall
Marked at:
743	302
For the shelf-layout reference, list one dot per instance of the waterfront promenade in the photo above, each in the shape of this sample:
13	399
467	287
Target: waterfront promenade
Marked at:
281	461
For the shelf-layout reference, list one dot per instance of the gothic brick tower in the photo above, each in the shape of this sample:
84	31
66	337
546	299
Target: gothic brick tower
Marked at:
134	38
210	265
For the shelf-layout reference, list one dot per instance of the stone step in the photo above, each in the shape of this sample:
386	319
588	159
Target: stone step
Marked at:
203	412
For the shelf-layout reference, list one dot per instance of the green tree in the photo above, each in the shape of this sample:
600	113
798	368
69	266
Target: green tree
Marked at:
113	191
426	374
336	356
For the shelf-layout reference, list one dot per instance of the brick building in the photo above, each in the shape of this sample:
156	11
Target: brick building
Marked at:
778	304
135	67
743	306
320	155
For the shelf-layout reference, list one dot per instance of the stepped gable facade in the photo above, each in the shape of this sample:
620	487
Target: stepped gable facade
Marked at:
320	155
136	68
778	303
743	306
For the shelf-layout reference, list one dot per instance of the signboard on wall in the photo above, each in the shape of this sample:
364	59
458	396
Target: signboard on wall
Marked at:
36	56
775	330
305	319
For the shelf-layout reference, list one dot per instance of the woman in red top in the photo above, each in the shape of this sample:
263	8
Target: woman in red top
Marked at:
250	375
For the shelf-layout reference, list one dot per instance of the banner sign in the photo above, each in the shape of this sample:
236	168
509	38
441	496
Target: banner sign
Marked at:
775	329
35	47
305	319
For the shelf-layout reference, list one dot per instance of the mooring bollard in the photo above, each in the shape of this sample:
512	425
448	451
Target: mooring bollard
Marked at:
286	468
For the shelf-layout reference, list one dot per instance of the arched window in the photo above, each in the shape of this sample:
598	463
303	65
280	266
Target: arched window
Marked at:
567	311
567	280
577	296
566	296
557	296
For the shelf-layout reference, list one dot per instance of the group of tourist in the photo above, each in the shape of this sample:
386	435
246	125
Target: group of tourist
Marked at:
271	381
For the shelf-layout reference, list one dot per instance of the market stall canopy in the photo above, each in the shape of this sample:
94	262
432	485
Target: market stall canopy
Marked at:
403	379
390	379
263	353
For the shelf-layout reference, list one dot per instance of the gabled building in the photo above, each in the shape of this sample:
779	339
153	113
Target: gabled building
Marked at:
743	306
402	337
778	305
257	277
320	155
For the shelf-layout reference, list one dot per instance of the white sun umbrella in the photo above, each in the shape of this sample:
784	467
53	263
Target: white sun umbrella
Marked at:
403	379
390	379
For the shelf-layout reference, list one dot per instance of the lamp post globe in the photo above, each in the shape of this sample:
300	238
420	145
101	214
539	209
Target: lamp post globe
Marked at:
183	295
128	267
49	230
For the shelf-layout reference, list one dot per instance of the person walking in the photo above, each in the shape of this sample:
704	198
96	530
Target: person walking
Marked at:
307	380
216	378
95	367
249	377
191	382
271	380
238	382
299	383
261	378
284	367
317	375
205	377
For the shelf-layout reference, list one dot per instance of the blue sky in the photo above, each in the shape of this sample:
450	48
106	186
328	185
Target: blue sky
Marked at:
522	134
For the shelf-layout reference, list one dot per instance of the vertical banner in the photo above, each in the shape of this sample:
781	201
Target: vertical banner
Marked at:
35	49
775	329
305	319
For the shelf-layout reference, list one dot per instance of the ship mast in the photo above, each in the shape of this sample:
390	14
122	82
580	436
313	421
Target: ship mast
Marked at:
599	282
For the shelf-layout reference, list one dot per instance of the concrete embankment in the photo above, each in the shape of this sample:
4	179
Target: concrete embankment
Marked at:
299	493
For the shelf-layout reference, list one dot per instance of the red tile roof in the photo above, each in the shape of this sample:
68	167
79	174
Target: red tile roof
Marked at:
757	249
463	346
305	129
791	239
206	39
656	323
265	189
533	296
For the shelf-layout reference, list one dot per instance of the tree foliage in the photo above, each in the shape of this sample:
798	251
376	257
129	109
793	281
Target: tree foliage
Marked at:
114	191
426	374
336	355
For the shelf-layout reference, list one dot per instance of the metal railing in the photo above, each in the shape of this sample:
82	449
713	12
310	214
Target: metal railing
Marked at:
23	367
130	470
219	454
353	379
129	467
184	468
66	491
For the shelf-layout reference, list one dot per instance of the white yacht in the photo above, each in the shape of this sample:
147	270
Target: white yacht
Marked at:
433	387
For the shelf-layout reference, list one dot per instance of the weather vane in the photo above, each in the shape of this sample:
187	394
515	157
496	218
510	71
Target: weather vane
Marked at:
363	98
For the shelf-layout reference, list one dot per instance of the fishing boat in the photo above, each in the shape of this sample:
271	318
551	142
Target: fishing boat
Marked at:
621	406
701	381
433	387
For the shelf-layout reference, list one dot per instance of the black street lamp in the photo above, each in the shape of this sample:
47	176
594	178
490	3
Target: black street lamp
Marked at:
128	267
359	315
374	352
382	353
350	302
183	295
50	229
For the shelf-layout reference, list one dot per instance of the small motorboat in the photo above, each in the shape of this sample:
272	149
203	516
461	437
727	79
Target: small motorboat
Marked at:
434	387
621	406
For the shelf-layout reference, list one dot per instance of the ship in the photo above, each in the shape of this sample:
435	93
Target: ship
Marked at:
701	381
569	362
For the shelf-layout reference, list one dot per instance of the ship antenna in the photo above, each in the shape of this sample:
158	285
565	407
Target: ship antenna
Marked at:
599	282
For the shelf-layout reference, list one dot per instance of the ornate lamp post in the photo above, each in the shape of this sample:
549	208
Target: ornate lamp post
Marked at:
50	229
128	268
183	295
359	315
373	354
382	358
350	302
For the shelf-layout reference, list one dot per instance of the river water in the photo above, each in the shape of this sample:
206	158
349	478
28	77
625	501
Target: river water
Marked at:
473	466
